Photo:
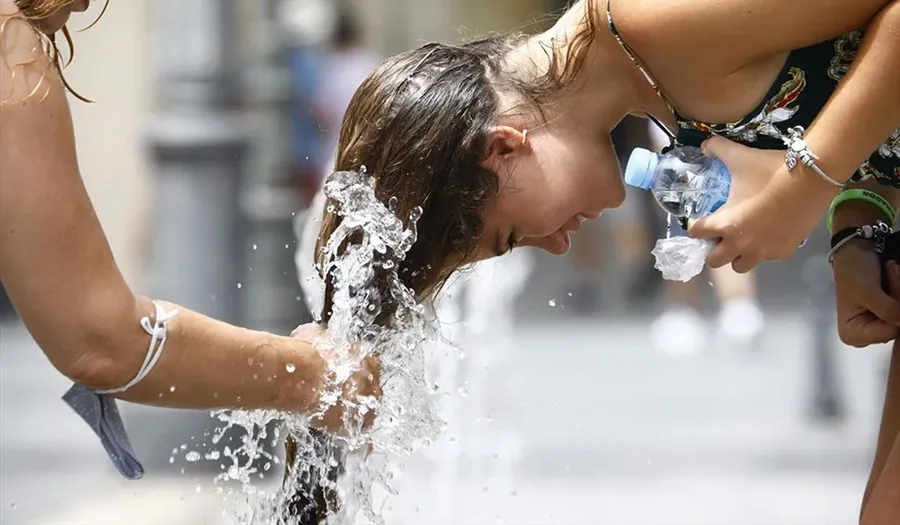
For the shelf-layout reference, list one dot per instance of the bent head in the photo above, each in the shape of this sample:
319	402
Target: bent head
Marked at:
481	146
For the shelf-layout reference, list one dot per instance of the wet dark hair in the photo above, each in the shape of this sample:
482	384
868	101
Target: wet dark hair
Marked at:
420	124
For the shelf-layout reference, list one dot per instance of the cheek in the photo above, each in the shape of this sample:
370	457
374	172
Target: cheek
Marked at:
601	183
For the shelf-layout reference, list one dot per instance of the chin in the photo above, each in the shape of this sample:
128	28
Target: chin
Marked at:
562	242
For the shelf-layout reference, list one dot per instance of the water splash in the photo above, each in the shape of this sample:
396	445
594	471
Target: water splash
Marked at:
373	314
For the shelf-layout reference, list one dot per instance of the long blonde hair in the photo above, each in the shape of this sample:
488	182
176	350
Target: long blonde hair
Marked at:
37	10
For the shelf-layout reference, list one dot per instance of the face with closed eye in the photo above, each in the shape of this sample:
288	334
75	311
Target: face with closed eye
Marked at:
551	180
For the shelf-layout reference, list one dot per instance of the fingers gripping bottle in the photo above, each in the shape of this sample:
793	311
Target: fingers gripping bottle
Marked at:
686	182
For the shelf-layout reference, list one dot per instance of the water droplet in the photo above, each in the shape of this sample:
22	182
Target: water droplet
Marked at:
171	460
291	368
172	388
254	247
199	489
569	294
552	303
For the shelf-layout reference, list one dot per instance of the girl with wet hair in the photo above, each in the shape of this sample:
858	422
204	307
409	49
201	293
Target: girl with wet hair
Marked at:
505	143
59	272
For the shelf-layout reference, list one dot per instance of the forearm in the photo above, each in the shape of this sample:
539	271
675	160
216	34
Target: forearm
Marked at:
209	364
865	108
59	271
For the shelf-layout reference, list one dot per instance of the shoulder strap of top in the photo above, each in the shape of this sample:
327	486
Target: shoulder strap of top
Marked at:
648	76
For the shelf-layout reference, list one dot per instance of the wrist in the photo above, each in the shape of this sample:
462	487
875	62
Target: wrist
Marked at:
300	376
856	212
802	186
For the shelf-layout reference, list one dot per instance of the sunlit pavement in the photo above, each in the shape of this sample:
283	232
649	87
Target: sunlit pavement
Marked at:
605	431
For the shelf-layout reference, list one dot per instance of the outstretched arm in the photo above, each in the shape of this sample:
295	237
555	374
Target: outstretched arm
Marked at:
58	269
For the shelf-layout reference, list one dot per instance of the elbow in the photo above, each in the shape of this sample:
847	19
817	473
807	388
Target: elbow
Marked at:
99	354
95	361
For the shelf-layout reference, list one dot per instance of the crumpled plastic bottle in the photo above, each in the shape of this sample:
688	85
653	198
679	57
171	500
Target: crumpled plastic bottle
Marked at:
681	258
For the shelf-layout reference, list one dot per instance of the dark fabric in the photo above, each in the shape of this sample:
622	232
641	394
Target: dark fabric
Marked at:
102	414
808	79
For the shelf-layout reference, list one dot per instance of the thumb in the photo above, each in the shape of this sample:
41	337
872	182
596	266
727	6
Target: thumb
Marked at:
722	148
712	227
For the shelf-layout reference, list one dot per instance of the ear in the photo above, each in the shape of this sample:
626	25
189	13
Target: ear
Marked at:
504	142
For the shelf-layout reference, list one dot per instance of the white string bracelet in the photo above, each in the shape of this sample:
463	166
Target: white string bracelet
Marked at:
798	151
157	332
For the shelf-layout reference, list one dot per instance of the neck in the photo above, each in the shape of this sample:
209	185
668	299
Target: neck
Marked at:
607	85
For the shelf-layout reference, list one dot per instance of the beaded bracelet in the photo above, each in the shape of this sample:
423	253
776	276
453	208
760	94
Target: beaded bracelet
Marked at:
877	233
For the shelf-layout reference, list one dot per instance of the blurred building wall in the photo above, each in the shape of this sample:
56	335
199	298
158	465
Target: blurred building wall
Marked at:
114	65
111	67
395	25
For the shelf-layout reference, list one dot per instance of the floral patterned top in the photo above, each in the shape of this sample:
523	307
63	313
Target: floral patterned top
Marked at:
806	81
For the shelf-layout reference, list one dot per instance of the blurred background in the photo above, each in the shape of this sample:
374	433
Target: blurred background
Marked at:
591	391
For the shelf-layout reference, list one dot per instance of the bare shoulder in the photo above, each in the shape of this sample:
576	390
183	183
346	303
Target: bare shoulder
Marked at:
25	70
739	29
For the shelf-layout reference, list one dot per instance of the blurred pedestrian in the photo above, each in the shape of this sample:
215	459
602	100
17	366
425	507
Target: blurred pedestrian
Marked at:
346	63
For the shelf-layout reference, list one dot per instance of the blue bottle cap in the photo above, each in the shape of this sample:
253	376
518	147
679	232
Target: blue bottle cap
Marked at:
640	168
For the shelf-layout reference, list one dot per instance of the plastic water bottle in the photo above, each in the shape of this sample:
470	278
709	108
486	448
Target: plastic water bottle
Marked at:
685	181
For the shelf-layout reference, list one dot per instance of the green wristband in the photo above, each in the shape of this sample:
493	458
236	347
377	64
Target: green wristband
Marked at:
863	195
